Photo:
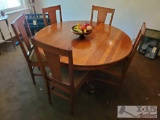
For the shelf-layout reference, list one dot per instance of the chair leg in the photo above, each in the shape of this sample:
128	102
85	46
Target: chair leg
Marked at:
120	87
121	81
49	96
91	86
13	44
50	102
72	103
48	91
38	68
32	75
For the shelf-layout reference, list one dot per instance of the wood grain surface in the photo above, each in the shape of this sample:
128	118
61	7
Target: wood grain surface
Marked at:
105	46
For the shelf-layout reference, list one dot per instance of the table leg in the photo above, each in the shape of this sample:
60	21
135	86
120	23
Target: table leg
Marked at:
91	88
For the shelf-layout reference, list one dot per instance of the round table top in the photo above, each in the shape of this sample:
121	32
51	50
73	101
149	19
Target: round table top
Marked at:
105	46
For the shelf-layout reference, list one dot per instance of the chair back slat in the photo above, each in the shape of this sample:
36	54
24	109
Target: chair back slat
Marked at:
23	33
102	14
119	70
24	36
54	65
52	17
62	79
135	46
140	34
53	56
51	11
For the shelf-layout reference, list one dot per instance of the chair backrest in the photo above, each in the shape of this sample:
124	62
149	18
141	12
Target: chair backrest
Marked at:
22	31
53	56
135	45
102	14
51	11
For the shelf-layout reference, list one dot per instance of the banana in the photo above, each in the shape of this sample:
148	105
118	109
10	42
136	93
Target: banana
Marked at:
75	27
78	30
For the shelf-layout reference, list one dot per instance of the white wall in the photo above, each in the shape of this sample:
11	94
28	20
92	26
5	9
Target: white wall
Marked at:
128	17
129	14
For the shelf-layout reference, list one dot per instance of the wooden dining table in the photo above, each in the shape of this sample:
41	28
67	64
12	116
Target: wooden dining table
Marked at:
103	47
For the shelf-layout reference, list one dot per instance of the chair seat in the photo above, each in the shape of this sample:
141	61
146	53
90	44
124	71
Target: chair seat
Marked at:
116	69
33	57
2	41
79	75
119	70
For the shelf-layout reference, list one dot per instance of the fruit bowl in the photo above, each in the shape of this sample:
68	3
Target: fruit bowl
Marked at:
82	30
79	33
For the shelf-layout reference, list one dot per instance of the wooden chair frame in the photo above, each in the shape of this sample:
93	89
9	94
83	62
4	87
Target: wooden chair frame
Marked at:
23	34
102	14
52	14
126	61
55	79
5	41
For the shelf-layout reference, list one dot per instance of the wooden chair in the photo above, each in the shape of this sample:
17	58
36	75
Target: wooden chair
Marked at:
23	34
5	41
51	14
102	14
65	79
119	70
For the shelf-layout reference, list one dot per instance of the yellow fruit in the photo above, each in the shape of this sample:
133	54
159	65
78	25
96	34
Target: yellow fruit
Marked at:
89	28
75	27
78	26
78	30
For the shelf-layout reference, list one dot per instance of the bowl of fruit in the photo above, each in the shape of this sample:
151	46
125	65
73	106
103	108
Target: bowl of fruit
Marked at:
82	30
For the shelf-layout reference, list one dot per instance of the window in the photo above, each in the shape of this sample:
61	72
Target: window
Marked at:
11	5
